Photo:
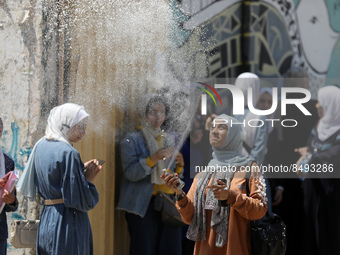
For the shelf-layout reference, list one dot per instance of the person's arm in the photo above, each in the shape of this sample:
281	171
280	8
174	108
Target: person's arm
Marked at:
185	202
254	206
11	201
76	191
137	166
185	206
10	198
179	163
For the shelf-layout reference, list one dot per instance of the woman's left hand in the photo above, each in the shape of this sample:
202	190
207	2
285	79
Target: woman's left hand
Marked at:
170	181
220	191
179	160
3	180
8	198
92	168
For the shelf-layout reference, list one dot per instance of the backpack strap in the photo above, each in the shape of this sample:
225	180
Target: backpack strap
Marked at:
247	178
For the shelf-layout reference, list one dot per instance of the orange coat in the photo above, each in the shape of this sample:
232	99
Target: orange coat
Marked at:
242	209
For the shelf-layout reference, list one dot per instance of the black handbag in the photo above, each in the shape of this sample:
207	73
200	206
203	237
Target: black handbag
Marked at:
170	216
268	235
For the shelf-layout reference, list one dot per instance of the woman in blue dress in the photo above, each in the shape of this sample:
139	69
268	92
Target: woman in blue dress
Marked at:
64	182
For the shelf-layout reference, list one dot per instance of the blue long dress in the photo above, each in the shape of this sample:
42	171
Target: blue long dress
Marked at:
64	228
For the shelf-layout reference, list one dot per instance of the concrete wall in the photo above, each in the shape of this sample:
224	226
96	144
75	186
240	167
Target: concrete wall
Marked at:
104	54
20	68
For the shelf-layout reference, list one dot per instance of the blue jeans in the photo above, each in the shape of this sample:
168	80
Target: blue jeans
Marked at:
149	236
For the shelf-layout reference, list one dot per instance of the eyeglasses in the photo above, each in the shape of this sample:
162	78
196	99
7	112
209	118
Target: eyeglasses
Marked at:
156	113
81	126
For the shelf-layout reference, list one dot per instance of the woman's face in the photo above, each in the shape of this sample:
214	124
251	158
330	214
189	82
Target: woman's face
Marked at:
76	133
156	115
265	101
319	109
218	133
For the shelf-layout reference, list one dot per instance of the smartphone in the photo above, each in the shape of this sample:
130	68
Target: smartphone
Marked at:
222	203
101	162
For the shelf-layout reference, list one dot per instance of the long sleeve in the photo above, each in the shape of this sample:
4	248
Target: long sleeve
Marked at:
77	192
12	207
135	167
185	206
254	206
10	166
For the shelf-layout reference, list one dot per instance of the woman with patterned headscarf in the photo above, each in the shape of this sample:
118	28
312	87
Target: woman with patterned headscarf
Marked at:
56	170
217	228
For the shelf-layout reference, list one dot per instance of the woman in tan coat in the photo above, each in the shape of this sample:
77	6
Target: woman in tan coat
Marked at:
222	229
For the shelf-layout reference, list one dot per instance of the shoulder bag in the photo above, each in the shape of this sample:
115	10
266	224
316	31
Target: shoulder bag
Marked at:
170	215
268	235
23	233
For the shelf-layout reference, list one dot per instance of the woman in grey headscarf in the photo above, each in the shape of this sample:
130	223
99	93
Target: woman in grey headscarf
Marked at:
223	229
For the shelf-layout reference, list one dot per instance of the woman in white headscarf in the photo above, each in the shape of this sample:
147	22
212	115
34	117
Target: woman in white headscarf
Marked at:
255	142
322	187
64	182
145	152
256	138
224	229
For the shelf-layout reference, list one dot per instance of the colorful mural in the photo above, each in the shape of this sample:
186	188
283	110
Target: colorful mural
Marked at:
266	37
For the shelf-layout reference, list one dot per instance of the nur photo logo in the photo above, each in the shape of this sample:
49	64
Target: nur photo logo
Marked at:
238	105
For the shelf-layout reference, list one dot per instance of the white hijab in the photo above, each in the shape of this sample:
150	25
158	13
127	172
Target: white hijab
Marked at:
249	80
271	116
329	99
59	122
245	81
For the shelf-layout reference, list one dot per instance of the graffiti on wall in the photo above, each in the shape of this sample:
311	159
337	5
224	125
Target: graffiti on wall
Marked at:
279	34
18	154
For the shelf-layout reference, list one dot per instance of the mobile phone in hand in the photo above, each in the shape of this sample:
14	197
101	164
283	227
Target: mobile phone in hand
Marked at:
101	162
220	202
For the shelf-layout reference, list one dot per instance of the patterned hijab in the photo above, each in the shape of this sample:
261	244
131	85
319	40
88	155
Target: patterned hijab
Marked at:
226	156
59	122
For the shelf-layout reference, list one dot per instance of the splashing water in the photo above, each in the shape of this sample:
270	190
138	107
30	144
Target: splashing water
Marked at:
129	48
